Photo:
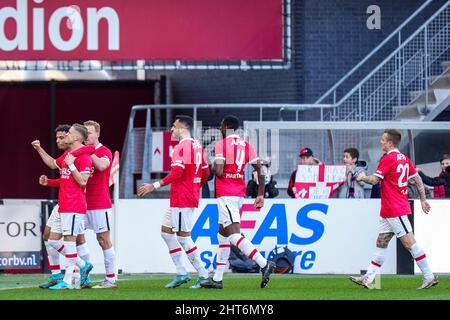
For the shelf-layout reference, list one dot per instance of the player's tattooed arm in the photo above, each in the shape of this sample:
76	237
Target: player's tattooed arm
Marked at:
418	184
383	239
373	180
46	158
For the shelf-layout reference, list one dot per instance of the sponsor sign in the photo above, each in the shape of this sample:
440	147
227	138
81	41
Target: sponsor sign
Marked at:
20	236
333	236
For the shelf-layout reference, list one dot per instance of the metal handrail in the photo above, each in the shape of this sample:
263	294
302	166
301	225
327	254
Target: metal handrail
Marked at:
231	106
393	54
373	52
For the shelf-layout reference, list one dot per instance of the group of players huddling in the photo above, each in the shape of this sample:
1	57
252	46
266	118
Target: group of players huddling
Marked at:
88	166
84	202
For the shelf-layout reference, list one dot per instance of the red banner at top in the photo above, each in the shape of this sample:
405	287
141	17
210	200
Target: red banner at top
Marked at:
198	30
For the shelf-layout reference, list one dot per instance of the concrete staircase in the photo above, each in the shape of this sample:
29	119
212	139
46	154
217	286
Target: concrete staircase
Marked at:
438	99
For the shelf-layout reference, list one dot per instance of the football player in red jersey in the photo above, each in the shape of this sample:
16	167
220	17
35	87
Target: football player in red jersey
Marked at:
75	173
98	201
189	173
53	233
393	172
231	156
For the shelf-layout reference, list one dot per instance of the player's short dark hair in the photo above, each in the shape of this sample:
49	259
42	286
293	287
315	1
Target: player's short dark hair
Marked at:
353	152
444	157
82	130
62	128
394	135
231	122
187	121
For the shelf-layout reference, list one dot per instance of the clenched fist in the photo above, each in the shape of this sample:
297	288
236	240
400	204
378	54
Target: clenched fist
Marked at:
69	159
36	144
43	180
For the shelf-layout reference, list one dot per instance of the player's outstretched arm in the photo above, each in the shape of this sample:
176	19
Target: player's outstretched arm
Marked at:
54	183
46	158
174	174
146	188
437	181
373	180
418	183
83	150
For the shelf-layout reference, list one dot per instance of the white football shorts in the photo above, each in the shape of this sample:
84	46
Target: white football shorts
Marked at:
400	226
179	219
98	220
72	223
54	221
229	210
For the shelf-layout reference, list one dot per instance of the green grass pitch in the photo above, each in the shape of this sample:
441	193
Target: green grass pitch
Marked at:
236	287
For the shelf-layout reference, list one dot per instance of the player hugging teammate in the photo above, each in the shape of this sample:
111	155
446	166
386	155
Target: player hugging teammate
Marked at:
83	203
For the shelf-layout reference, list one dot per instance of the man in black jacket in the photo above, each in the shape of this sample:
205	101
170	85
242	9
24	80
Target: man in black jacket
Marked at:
270	188
442	180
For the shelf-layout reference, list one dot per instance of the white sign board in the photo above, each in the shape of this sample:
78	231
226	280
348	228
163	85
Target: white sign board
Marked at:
333	236
431	233
20	236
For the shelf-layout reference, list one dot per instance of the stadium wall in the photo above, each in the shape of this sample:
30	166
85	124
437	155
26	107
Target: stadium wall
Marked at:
32	110
329	38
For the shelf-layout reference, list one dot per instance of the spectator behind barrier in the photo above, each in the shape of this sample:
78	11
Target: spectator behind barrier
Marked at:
439	190
306	157
442	180
351	188
270	189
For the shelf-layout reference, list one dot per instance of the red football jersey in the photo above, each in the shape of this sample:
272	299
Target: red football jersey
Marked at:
185	191
395	169
97	188
236	153
72	197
